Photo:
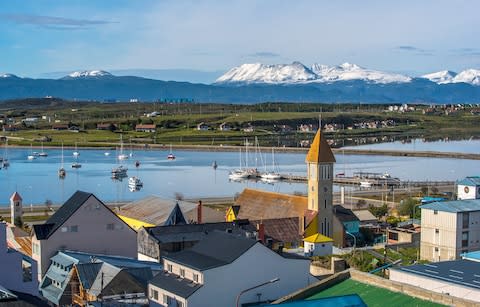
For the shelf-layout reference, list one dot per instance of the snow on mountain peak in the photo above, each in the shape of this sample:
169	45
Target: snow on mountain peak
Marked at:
441	77
263	73
471	76
7	75
89	73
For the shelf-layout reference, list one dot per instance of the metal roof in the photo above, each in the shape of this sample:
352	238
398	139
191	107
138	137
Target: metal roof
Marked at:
174	284
176	217
344	215
470	181
454	206
87	272
217	249
461	272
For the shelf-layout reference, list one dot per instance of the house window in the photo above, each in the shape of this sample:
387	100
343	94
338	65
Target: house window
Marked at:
195	278
179	303
436	249
74	228
435	212
110	226
165	299
155	294
465	219
437	231
465	239
64	229
182	272
169	267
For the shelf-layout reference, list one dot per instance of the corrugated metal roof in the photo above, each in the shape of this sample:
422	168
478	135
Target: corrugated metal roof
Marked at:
454	206
174	284
344	215
258	205
155	210
461	272
134	223
470	181
87	272
320	150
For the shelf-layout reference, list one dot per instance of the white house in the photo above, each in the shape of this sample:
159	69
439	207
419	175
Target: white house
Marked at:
17	271
469	188
82	223
318	245
449	228
217	271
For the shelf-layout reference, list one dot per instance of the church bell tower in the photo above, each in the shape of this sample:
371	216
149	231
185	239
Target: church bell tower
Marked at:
320	162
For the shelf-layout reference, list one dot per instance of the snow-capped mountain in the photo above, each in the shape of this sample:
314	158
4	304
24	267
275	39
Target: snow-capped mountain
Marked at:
299	73
89	74
441	77
471	76
262	73
7	75
348	71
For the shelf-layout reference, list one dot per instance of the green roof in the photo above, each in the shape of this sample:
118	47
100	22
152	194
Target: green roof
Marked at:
373	296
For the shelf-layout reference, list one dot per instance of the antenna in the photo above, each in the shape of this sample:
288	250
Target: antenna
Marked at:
320	121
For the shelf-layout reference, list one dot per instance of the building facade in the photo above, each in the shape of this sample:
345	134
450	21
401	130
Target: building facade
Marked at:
468	188
449	229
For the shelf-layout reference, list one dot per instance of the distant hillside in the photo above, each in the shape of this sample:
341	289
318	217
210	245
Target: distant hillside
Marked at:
106	87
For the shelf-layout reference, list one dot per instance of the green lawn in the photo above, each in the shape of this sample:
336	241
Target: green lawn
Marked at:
373	296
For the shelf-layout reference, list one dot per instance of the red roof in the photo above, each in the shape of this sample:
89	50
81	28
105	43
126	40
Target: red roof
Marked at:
16	197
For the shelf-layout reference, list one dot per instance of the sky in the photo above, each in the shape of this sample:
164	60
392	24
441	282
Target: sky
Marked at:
411	37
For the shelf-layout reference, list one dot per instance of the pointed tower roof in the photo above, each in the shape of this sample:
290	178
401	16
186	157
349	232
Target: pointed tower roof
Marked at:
318	238
320	150
16	197
176	217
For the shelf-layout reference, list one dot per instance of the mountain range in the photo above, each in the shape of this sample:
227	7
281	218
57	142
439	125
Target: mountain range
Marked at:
252	83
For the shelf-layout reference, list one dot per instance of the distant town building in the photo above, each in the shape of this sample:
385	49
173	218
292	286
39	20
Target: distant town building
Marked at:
468	188
225	127
449	228
107	126
202	127
60	127
145	128
249	128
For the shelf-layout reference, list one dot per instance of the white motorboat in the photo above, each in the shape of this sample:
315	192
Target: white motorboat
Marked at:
171	156
76	153
365	184
135	182
76	165
119	172
42	153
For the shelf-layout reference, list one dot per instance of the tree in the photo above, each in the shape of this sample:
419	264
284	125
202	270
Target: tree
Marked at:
378	211
408	207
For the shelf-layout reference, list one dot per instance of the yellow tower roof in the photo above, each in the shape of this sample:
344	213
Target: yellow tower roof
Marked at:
320	150
318	238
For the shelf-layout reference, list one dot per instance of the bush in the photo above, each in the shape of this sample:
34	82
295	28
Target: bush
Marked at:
378	211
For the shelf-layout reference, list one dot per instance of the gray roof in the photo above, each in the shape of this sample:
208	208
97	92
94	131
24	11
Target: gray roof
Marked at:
44	231
344	215
174	284
461	272
87	272
454	206
176	217
194	232
470	181
217	249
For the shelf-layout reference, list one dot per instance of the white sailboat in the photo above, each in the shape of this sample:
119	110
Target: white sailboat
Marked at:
5	162
239	173
120	171
61	171
272	174
171	156
31	156
76	153
122	156
43	153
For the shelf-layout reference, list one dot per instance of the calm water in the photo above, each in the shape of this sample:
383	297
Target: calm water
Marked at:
192	175
463	146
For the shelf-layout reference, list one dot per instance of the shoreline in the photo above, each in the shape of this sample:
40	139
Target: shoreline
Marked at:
230	148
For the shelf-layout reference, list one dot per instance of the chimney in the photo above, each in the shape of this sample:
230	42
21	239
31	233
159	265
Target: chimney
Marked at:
199	212
261	232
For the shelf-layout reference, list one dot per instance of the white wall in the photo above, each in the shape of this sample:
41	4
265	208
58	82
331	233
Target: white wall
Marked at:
259	264
92	235
473	192
435	285
11	272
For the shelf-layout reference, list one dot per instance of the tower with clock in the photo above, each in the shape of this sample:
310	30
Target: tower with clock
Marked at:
320	162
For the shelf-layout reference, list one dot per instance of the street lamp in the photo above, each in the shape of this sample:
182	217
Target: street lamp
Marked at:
254	287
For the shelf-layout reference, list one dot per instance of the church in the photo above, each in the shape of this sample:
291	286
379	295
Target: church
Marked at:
292	220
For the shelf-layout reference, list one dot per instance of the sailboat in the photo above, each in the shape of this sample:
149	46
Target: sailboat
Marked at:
61	171
171	156
31	156
5	162
122	156
120	171
43	153
76	153
214	164
239	173
272	174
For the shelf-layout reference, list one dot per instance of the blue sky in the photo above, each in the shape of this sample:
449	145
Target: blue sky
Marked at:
413	37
